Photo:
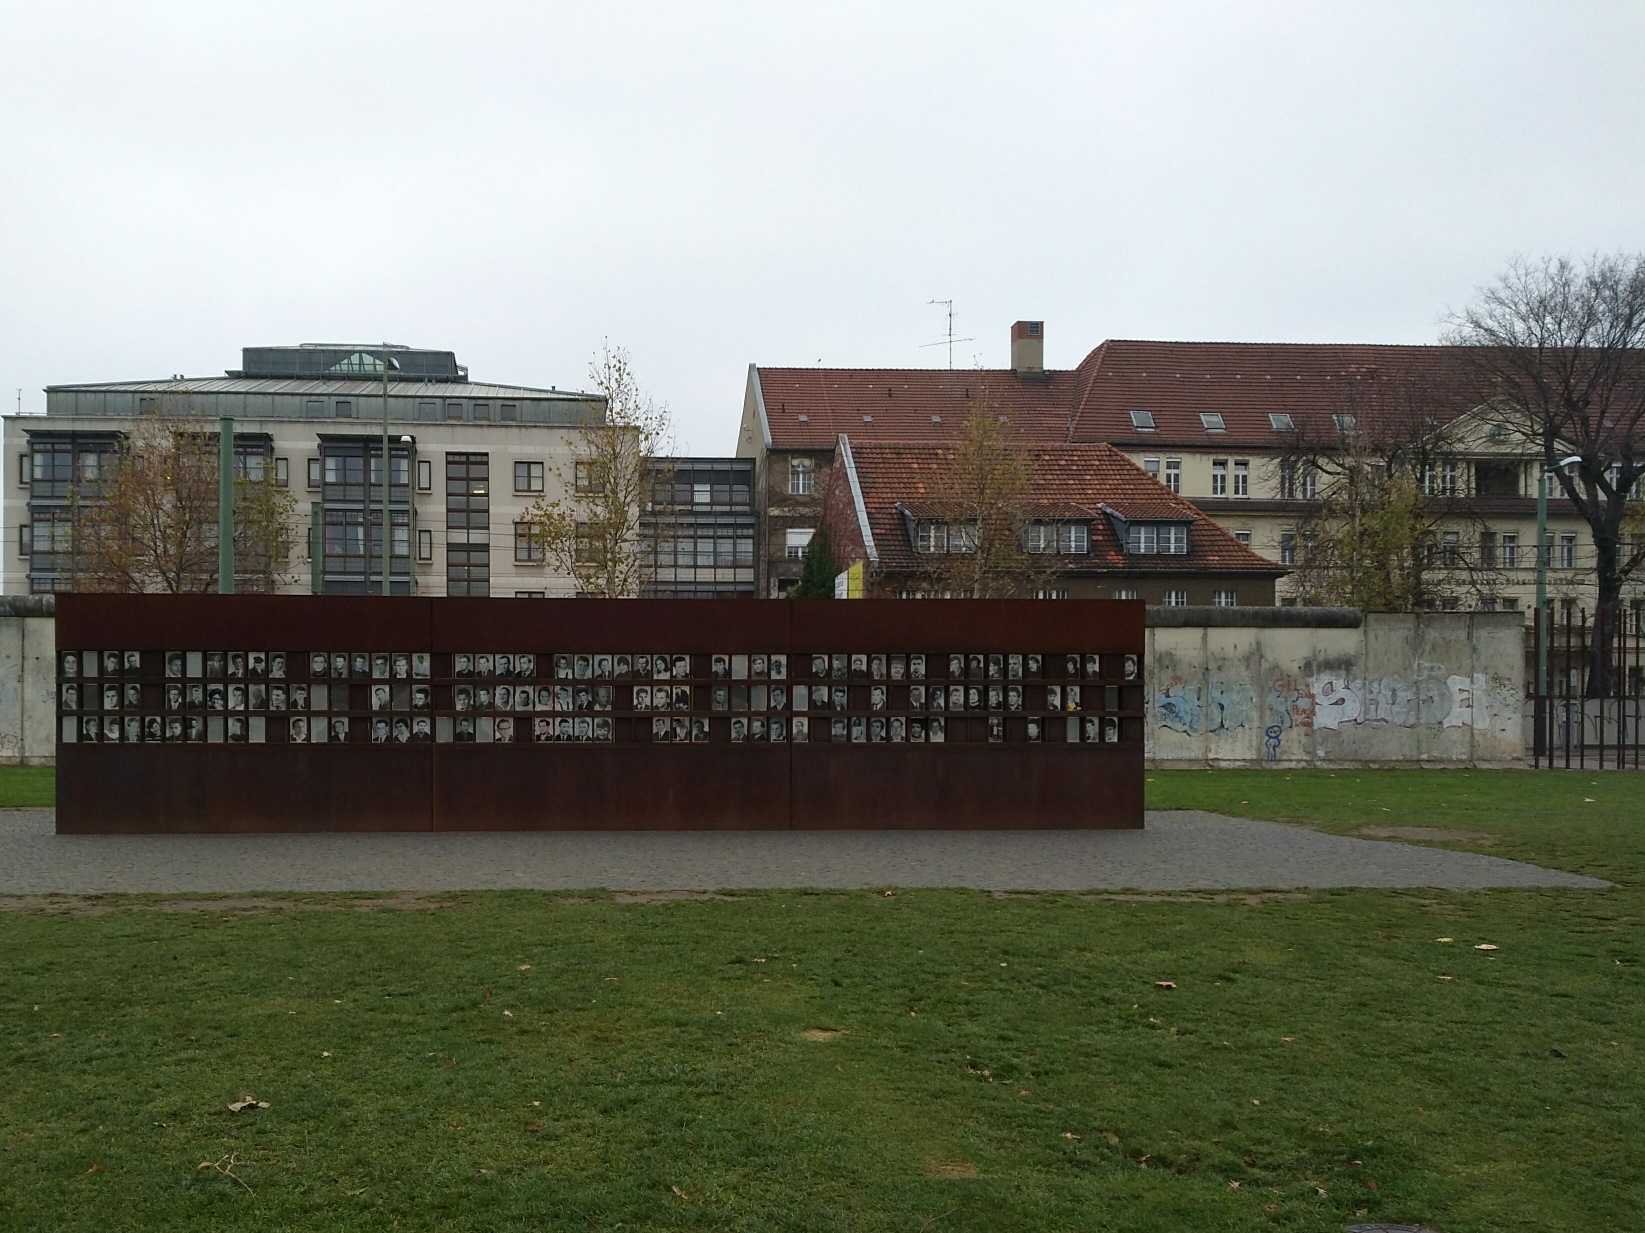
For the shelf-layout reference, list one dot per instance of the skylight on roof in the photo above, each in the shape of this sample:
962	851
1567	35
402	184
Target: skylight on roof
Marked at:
805	419
1212	421
1345	422
1142	421
1281	421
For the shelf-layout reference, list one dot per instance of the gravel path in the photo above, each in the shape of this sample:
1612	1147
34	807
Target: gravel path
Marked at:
1184	850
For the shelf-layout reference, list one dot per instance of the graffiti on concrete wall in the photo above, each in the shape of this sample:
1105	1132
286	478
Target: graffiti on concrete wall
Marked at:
1328	701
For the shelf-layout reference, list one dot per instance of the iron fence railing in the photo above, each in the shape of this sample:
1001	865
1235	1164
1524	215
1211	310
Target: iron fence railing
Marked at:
1589	712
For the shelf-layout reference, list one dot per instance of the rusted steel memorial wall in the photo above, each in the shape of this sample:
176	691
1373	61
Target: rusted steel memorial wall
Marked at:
336	713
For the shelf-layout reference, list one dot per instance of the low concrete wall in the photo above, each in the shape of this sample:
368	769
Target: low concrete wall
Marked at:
28	681
1226	687
1252	689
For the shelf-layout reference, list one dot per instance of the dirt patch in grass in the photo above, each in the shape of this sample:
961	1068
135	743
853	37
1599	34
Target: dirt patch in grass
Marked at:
1431	834
102	905
671	896
949	1170
822	1034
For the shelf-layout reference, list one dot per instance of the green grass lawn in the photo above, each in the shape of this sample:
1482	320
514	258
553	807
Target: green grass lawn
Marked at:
862	1061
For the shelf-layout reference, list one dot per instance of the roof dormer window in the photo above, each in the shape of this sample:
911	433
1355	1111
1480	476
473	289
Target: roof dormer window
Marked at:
1281	421
1345	423
1142	421
1211	421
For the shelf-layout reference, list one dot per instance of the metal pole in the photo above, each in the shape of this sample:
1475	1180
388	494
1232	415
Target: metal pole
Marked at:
386	553
1542	578
225	506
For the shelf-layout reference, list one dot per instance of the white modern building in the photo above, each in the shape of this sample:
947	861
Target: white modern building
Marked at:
467	459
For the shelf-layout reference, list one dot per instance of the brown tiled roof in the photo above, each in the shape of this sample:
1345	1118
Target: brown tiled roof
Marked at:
1176	382
1081	480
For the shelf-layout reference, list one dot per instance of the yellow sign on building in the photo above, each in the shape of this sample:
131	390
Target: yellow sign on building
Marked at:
850	584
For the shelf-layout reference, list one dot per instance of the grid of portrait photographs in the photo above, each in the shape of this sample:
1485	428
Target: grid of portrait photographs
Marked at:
491	697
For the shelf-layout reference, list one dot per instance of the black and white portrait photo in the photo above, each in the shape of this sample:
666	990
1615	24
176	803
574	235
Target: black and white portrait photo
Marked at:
916	667
174	665
317	664
819	666
1093	666
257	665
739	729
779	667
134	662
402	730
299	697
420	695
236	697
421	665
277	665
802	728
174	727
257	697
134	697
152	730
400	662
236	665
359	664
379	731
719	667
237	729
339	728
339	665
71	697
276	697
297	733
462	665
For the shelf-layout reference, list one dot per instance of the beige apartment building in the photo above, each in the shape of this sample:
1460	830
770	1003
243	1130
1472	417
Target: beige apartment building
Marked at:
466	460
1208	421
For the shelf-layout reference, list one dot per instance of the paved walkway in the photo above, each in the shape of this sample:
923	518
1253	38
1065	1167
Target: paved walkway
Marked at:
1177	851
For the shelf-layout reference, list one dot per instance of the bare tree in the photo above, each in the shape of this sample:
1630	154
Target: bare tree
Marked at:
596	532
1559	349
982	496
1387	527
148	521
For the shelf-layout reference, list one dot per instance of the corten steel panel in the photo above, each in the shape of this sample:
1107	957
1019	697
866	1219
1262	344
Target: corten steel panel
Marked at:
642	626
967	781
611	787
241	623
966	787
241	789
988	625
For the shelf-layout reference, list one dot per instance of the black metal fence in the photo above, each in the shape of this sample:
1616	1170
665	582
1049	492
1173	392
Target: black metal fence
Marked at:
1588	713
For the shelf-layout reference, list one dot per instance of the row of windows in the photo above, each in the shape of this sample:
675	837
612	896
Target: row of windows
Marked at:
428	410
1213	421
1496	550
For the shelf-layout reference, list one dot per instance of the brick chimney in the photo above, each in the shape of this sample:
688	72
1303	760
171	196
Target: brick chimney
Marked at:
1028	348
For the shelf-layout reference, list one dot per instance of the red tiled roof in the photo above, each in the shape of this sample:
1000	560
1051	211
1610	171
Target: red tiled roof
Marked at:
1068	481
1242	382
899	403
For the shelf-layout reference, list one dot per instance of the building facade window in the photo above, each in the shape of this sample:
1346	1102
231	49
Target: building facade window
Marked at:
1487	549
1219	477
1176	597
528	544
1242	477
1065	538
1051	593
1567	550
1151	465
282	472
482	411
586	477
1173	474
530	594
796	540
1287	547
799	477
945	537
313	472
468	524
425	545
1508	549
1225	597
343	409
1125	592
1451	548
1148	539
528	477
1244	538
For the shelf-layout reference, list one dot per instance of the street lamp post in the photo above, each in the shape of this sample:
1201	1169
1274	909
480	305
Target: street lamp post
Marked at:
388	364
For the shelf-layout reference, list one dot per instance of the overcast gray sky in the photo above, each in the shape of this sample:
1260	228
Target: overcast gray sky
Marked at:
714	185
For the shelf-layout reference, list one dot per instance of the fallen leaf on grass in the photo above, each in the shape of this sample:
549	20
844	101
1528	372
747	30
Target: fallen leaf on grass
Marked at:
1486	946
246	1101
1447	977
508	1014
525	967
96	1168
1370	1183
1069	1134
323	1053
1165	984
678	1193
352	1193
1445	939
533	1128
1288	1039
449	1062
1233	1185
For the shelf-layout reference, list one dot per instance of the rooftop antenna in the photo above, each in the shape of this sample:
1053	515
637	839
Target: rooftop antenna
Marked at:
949	340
